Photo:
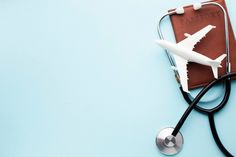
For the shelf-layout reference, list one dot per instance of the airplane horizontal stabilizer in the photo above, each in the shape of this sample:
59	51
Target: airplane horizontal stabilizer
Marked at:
215	64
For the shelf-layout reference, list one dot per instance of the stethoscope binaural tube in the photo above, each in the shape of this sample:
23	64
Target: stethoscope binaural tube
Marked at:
170	140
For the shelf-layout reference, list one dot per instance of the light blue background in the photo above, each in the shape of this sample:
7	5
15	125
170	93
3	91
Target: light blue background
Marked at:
85	79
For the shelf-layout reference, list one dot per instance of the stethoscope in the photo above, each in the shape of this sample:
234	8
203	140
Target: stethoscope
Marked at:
169	140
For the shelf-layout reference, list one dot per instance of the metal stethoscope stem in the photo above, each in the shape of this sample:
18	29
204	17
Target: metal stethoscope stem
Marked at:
170	140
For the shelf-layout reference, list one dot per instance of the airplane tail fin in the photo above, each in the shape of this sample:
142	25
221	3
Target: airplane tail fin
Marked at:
215	64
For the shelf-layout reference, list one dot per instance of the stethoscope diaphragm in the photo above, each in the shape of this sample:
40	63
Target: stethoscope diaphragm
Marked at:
167	143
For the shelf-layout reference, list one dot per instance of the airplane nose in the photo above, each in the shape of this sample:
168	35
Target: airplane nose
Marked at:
159	42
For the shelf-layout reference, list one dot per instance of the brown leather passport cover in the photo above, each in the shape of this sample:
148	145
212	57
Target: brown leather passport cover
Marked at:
213	45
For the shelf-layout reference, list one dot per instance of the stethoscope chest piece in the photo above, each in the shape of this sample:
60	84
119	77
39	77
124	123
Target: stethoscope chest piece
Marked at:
169	144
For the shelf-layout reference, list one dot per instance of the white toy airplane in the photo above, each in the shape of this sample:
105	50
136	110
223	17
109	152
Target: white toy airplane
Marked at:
183	53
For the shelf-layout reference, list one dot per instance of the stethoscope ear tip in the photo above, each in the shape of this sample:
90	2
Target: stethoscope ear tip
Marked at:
167	143
179	10
197	6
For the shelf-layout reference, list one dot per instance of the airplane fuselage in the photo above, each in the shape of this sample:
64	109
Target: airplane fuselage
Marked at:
185	53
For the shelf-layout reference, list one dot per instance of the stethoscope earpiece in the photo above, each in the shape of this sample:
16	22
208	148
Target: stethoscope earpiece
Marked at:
169	144
197	6
179	10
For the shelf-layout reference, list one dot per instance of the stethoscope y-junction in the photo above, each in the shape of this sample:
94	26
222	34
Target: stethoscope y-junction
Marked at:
170	140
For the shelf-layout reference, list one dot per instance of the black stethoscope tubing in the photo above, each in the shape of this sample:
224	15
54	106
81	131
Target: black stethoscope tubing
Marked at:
210	112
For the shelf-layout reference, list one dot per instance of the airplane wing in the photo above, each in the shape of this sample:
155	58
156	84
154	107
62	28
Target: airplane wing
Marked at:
192	40
181	65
